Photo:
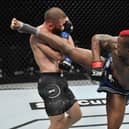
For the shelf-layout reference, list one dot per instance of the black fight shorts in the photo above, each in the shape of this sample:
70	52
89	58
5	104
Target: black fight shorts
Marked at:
53	89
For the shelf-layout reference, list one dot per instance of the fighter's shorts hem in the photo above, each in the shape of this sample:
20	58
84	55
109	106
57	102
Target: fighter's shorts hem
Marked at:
108	89
63	111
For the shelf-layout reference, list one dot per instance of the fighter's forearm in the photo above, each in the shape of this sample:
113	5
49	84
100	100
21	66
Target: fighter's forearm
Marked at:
95	47
100	42
26	28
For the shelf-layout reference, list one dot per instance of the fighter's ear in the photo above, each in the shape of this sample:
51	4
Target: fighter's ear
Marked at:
51	26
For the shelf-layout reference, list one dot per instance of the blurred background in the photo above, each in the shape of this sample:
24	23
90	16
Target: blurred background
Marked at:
88	17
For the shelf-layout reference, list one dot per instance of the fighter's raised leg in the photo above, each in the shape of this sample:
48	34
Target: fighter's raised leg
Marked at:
79	55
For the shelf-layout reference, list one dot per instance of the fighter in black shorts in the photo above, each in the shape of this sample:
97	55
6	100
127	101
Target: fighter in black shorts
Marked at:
52	87
58	98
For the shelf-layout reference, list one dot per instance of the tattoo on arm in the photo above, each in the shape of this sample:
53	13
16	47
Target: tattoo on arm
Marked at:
107	41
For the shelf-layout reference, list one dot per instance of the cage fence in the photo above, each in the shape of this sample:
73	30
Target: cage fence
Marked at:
88	17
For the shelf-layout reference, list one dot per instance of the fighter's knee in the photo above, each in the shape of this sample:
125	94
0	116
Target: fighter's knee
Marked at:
94	37
78	116
56	125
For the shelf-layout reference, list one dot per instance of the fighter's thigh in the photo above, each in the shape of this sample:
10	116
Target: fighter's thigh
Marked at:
116	99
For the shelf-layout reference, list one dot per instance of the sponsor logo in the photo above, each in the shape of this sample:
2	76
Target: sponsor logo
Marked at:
82	102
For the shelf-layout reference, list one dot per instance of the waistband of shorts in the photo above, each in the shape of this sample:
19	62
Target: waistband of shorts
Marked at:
51	73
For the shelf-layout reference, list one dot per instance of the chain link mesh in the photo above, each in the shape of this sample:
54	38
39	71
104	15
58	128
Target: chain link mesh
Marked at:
88	17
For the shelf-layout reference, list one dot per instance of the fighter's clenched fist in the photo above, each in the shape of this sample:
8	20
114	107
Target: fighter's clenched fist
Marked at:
16	24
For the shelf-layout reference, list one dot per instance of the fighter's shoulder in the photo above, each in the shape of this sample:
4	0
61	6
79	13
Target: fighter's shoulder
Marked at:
42	27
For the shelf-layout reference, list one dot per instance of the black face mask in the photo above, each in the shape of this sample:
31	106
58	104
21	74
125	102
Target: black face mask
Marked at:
68	27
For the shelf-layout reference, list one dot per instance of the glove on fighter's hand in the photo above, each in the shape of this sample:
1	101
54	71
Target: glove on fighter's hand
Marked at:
97	69
66	64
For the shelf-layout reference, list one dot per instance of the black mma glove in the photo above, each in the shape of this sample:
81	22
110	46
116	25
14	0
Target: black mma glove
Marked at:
68	28
97	69
65	64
